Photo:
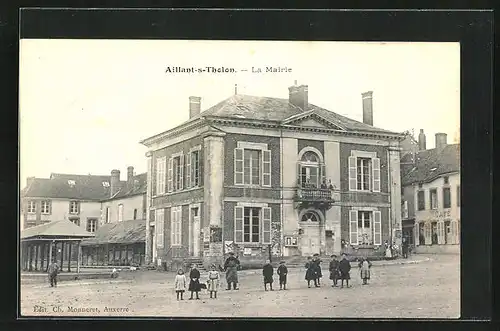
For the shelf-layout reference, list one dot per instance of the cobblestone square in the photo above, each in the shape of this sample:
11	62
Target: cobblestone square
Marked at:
429	289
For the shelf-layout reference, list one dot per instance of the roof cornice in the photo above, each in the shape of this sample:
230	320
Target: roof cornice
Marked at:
189	125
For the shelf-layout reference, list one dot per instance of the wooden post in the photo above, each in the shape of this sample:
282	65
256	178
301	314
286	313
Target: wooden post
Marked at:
30	260
50	252
126	254
79	248
42	257
62	254
37	250
69	255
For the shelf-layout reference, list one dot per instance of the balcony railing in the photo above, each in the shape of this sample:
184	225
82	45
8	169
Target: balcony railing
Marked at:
314	194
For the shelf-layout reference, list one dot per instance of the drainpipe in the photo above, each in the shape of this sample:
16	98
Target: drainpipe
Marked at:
390	200
282	245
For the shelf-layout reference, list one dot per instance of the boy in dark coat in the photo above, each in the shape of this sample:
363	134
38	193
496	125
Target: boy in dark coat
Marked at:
344	268
282	272
317	267
267	272
311	272
53	270
194	282
334	270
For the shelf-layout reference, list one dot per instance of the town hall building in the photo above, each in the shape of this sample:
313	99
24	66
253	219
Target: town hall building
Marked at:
262	175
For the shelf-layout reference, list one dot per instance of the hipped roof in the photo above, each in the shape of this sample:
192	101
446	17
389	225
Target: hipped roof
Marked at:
126	232
55	229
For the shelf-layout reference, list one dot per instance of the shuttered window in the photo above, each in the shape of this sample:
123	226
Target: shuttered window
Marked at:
416	233
170	177
353	181
238	224
188	170
377	228
238	166
441	232
353	227
376	174
160	175
454	232
266	168
266	225
159	228
421	200
176	226
446	197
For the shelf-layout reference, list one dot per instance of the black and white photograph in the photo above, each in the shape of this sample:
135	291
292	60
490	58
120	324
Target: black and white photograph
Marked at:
239	178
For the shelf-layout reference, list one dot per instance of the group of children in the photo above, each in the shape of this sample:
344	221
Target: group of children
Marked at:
339	269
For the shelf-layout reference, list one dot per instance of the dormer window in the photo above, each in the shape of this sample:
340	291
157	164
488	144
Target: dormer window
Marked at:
105	184
71	183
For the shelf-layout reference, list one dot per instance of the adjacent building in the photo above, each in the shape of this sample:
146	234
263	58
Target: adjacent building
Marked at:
262	175
431	196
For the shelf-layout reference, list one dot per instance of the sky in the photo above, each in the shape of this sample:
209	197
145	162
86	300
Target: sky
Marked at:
85	105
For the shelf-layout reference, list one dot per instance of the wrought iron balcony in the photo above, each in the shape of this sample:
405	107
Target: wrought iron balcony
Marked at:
314	197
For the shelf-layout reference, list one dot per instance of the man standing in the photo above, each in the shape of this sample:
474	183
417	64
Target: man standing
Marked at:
404	247
53	270
231	267
344	268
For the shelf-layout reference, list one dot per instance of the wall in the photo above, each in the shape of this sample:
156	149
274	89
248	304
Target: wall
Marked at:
409	196
428	214
129	204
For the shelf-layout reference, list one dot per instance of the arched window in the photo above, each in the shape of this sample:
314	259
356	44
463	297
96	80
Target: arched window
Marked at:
310	156
310	216
310	169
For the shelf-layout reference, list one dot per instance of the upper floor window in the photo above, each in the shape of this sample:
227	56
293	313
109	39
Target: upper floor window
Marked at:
160	175
45	208
176	173
364	171
31	207
311	171
252	166
446	197
458	196
421	200
120	213
433	199
74	207
193	169
92	225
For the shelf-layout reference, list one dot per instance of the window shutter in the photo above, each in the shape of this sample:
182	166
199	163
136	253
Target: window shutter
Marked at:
377	228
266	168
440	232
188	169
238	224
299	174
181	177
353	227
173	216
416	234
266	225
376	174
353	179
454	232
170	174
238	166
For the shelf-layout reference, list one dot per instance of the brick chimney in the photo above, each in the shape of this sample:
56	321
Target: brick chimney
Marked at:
298	96
421	140
194	106
130	177
441	140
367	98
115	182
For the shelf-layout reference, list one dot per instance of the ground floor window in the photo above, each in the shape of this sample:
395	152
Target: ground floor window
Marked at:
365	227
252	225
437	232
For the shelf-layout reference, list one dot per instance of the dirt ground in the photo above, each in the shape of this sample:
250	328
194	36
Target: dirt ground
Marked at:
428	289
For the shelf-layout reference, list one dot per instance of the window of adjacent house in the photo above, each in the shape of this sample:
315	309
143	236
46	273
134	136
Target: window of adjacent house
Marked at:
120	213
458	196
75	220
31	207
45	207
434	233
108	214
135	214
73	207
176	223
421	200
252	167
365	227
161	164
159	228
91	225
253	225
434	199
446	197
405	209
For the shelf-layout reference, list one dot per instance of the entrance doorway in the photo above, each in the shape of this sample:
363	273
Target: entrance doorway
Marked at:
310	240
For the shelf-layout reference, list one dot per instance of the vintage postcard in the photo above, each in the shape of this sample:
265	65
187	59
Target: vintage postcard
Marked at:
190	178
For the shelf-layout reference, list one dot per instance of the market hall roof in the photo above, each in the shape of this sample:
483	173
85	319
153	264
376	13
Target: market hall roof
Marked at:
56	229
80	187
126	232
277	111
430	164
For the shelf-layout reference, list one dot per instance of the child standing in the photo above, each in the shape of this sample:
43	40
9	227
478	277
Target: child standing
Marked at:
194	283
267	272
213	281
334	270
364	268
344	268
310	272
180	284
282	272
